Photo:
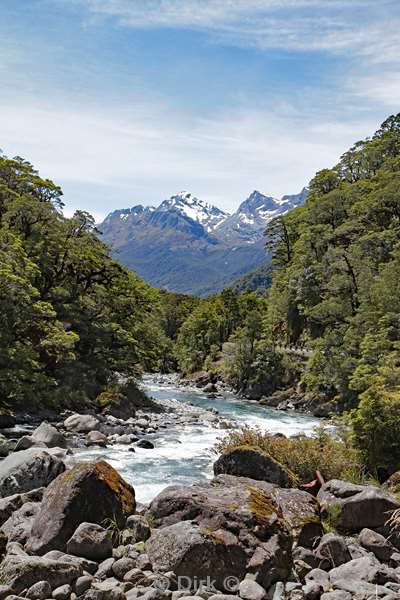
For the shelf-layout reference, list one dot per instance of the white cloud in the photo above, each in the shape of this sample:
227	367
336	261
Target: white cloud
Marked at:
117	158
364	27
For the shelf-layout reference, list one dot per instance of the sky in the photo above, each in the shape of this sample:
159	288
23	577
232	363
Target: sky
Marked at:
126	102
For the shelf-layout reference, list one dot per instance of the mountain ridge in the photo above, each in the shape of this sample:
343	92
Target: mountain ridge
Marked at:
191	246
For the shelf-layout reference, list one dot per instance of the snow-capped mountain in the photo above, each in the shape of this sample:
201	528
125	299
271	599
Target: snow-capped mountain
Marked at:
188	245
202	212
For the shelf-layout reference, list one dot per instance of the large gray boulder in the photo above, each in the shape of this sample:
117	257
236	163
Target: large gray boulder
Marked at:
81	423
89	492
366	569
47	434
239	517
90	541
193	551
27	470
246	461
21	572
355	506
12	503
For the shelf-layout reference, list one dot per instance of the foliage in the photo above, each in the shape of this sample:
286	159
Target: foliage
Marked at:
72	320
302	455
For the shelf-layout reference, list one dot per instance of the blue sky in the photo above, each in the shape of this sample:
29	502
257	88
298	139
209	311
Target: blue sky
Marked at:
129	101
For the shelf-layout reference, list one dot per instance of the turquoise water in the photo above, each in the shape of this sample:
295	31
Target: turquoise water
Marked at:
184	455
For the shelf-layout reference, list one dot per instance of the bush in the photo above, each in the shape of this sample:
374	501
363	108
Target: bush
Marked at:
302	455
375	430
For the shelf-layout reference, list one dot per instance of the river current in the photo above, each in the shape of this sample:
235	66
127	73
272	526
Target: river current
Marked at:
184	455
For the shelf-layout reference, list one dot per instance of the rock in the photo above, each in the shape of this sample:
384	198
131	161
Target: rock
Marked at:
251	590
88	492
82	584
139	528
122	566
319	576
39	591
336	595
251	462
48	435
81	423
19	525
305	555
210	388
359	507
27	441
90	541
62	593
86	565
332	551
249	514
311	591
366	569
377	544
96	438
191	551
105	568
7	420
27	470
6	592
22	572
301	513
145	444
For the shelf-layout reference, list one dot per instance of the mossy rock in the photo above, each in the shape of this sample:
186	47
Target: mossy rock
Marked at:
249	461
89	492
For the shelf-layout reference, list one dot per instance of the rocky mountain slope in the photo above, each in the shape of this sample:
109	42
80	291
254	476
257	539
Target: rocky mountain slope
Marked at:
187	245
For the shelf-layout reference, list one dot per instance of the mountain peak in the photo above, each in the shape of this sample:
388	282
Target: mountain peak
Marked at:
195	209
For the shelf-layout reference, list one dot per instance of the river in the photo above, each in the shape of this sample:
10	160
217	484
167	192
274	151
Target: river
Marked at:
184	455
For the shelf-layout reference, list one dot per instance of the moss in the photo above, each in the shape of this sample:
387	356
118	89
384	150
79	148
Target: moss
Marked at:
262	506
123	492
213	536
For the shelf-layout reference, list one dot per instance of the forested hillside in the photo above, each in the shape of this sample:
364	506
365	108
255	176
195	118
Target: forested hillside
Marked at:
335	295
71	318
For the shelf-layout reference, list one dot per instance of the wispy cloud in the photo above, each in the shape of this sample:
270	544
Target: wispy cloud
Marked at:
142	155
304	25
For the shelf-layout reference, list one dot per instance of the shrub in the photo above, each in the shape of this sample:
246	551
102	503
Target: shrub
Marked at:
375	430
302	455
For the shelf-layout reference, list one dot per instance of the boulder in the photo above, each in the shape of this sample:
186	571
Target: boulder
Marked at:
366	569
234	515
89	492
12	503
63	592
27	470
377	544
81	423
89	566
96	438
251	590
90	541
122	566
18	527
139	528
332	551
48	435
27	441
145	444
246	461
21	572
356	507
193	551
39	591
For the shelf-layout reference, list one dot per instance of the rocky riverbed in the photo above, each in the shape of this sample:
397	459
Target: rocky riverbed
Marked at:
71	525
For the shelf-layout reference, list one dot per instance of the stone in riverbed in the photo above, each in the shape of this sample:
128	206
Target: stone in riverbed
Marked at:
18	527
246	461
145	444
377	544
21	572
96	438
90	492
139	528
90	541
332	551
359	506
48	435
81	423
27	470
192	551
39	591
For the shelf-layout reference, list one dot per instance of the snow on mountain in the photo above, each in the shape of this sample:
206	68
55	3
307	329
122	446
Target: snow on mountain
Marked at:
188	245
202	212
